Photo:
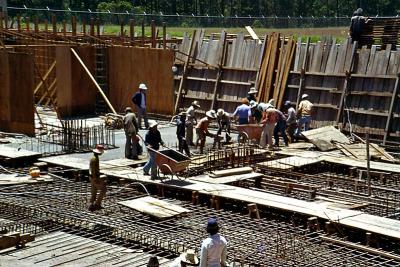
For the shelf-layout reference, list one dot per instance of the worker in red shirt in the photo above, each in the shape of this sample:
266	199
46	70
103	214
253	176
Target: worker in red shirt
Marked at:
202	129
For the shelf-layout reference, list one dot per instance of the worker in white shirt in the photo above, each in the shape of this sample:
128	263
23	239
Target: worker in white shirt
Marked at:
214	248
304	115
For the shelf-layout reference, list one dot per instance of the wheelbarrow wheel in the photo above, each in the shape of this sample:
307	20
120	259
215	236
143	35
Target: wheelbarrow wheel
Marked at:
243	137
167	174
182	175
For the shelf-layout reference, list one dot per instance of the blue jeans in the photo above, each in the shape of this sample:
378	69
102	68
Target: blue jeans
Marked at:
280	127
151	164
304	120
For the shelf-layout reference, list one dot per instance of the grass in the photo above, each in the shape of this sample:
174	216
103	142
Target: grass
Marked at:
315	34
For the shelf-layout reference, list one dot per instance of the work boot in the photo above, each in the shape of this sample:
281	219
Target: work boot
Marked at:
92	207
97	207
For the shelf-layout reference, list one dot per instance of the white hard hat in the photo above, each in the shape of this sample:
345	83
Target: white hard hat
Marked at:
211	114
142	86
304	96
152	123
220	112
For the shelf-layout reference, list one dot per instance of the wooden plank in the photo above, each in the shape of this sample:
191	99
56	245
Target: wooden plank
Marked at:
323	137
45	77
303	77
16	179
222	57
253	34
154	207
15	153
391	108
229	172
185	73
346	83
16	93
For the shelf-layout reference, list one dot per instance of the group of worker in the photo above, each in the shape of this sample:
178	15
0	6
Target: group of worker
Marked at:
285	122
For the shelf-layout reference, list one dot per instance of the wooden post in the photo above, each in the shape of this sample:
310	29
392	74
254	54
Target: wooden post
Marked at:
83	27
368	166
19	23
122	29
153	34
91	33
221	63
27	24
98	26
1	20
6	21
54	22
390	115
64	27
303	74
132	29
184	74
46	26
253	211
346	82
164	27
94	81
143	33
73	24
36	24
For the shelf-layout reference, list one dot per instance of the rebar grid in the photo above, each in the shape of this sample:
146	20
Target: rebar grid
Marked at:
255	242
339	186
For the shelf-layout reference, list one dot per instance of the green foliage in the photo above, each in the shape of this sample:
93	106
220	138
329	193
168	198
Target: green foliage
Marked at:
257	24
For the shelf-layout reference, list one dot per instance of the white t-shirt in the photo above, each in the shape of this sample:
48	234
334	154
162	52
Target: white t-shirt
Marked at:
213	251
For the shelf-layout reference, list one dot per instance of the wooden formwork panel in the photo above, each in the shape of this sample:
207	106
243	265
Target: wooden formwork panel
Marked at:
16	93
130	66
76	93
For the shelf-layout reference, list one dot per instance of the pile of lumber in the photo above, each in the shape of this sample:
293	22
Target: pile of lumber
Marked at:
275	68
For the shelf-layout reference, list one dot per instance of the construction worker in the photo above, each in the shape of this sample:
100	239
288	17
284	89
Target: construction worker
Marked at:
224	123
202	129
131	129
243	112
251	95
180	133
214	248
188	258
280	127
291	123
153	141
97	182
269	119
304	115
256	114
357	24
139	99
191	121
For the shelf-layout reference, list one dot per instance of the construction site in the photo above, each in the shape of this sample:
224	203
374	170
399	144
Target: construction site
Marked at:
331	199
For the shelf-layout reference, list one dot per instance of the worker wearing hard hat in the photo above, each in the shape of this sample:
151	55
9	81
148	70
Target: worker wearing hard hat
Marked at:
224	123
304	115
131	129
191	121
140	100
98	182
202	129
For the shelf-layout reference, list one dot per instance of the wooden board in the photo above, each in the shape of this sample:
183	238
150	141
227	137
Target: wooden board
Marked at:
130	66
288	163
323	137
154	207
76	93
16	93
229	172
16	153
226	179
14	179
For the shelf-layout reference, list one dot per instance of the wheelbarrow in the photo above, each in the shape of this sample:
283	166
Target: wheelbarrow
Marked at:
171	163
249	132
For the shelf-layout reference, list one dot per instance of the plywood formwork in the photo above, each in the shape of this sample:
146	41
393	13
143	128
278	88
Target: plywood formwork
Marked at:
356	89
220	70
130	66
76	93
16	93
